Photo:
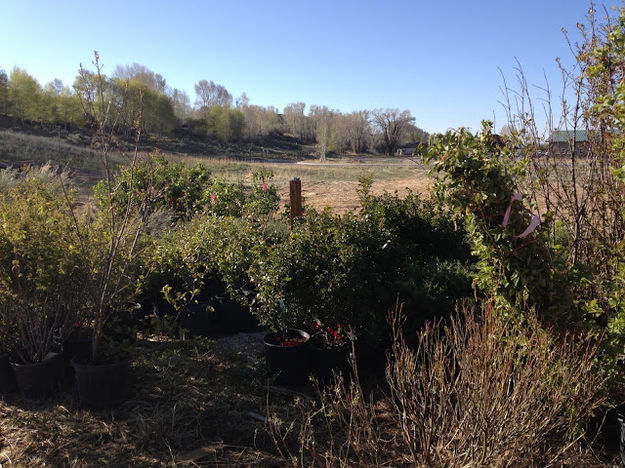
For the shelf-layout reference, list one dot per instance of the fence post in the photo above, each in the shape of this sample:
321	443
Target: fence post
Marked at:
295	198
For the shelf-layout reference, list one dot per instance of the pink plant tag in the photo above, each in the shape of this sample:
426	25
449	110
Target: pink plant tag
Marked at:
506	217
534	222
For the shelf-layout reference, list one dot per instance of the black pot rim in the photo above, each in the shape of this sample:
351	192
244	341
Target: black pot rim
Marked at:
268	339
51	355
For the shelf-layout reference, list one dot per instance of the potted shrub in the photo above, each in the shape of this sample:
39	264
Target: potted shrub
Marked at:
287	351
40	274
115	251
114	247
349	269
330	351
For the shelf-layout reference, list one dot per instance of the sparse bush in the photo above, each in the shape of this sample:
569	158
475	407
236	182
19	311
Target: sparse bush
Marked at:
477	391
41	266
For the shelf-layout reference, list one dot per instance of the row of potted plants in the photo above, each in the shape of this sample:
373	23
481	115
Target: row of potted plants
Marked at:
292	354
59	266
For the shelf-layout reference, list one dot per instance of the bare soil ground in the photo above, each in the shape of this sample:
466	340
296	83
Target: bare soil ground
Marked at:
334	183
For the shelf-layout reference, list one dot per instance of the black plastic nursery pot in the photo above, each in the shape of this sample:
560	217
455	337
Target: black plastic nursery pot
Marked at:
288	363
77	347
7	378
330	362
37	380
101	385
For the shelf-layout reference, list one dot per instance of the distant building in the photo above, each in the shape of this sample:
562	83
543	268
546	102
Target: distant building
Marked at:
408	149
562	141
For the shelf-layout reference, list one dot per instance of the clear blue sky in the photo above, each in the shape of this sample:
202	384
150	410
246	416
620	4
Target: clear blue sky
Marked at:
439	59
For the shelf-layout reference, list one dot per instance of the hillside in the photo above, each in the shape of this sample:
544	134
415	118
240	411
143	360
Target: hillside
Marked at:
332	183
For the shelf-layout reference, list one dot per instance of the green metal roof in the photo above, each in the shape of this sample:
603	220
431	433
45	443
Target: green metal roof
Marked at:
563	136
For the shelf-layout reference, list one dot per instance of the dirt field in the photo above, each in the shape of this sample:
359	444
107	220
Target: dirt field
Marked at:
332	184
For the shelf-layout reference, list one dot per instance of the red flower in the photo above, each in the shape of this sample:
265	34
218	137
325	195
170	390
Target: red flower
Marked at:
213	198
287	342
264	187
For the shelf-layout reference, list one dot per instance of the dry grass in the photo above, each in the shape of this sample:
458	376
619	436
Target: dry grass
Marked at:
187	407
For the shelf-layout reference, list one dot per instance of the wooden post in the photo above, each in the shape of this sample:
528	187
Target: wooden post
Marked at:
295	199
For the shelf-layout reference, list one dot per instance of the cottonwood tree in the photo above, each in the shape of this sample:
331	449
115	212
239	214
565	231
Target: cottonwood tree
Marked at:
134	100
142	74
92	90
353	131
296	122
210	94
181	102
393	125
68	110
259	121
25	95
225	124
322	120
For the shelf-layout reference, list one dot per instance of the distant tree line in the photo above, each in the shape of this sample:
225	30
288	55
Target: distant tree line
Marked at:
136	92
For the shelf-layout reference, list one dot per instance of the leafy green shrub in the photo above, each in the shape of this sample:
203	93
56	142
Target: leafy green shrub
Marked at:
263	199
157	184
205	250
349	269
224	199
181	264
237	245
313	272
478	178
429	257
42	269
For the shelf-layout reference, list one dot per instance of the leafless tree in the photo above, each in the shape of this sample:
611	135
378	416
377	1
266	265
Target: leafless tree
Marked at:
353	131
181	102
296	122
393	125
259	121
143	74
210	94
322	120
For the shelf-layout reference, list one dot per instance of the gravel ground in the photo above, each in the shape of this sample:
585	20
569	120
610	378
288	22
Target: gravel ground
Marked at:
249	345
